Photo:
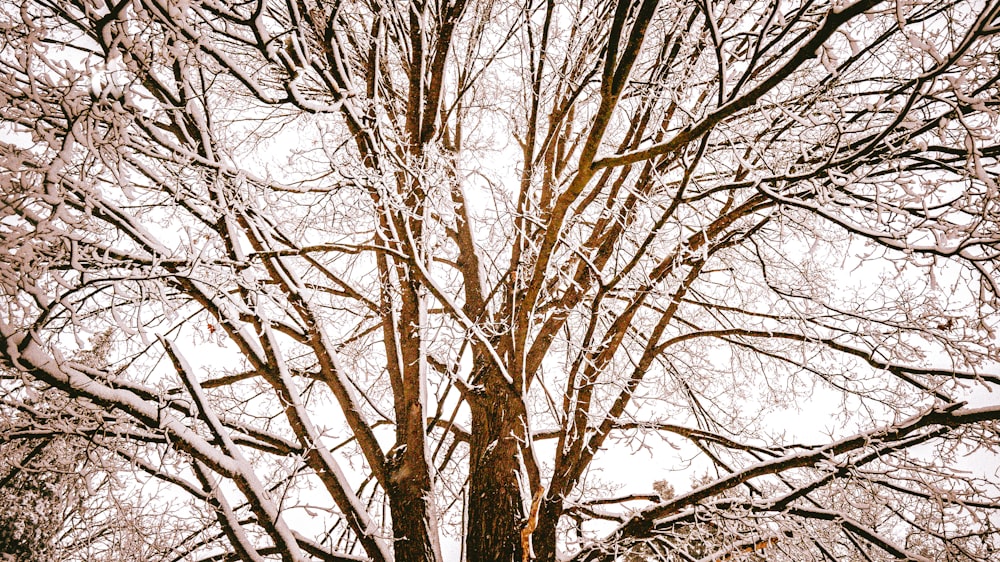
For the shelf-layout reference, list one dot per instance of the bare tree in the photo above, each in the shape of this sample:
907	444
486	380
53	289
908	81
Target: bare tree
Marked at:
35	488
65	493
383	274
59	504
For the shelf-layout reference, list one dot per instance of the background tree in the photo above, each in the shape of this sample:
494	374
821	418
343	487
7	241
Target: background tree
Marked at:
64	493
34	490
382	273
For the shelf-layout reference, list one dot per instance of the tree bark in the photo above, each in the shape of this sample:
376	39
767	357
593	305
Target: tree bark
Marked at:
414	526
544	537
410	488
496	504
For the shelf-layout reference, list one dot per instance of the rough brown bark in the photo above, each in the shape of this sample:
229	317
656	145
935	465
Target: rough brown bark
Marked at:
410	501
544	537
496	507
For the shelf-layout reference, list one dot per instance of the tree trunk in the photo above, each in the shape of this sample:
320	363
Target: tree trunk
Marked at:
544	537
496	508
410	486
414	526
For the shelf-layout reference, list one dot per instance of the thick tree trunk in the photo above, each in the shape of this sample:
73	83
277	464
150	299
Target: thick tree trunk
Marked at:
496	508
544	537
414	525
410	486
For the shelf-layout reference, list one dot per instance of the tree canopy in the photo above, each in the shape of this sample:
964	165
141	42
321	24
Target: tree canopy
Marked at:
525	280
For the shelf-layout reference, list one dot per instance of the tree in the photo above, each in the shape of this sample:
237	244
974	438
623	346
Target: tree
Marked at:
385	274
58	504
64	493
31	501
